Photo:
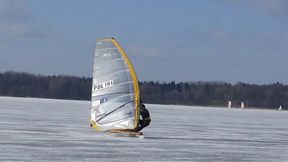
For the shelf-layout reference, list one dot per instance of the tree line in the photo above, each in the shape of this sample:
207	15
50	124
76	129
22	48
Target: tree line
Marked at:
58	87
216	94
182	93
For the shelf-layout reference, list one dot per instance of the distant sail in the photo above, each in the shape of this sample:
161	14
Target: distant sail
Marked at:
229	104
115	89
242	105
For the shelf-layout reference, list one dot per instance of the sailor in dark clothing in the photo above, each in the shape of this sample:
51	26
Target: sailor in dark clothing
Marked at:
145	119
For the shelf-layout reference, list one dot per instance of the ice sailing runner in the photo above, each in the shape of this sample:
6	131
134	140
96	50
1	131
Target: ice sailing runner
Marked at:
116	105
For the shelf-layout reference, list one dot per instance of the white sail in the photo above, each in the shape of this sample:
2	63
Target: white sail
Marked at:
115	89
242	105
229	104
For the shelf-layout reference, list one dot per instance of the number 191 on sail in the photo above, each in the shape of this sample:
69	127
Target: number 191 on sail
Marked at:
100	86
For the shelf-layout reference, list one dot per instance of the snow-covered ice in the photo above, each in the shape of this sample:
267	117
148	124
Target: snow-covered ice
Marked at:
58	130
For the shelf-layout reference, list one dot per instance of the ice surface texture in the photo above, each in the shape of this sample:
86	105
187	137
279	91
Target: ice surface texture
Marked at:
58	130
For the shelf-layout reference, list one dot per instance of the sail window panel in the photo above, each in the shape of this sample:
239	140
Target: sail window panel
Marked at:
120	114
127	123
108	68
108	54
122	104
118	117
110	106
114	63
116	102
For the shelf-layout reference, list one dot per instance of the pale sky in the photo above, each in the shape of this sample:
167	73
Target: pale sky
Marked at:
166	40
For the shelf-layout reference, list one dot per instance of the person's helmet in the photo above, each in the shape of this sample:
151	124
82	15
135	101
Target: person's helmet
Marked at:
142	107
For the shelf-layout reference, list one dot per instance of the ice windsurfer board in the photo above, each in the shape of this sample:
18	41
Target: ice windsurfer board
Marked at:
127	133
115	89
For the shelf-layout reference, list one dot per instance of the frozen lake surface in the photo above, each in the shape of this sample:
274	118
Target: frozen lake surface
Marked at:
57	130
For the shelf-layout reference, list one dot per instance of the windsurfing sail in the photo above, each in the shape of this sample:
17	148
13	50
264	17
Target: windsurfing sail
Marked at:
115	89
